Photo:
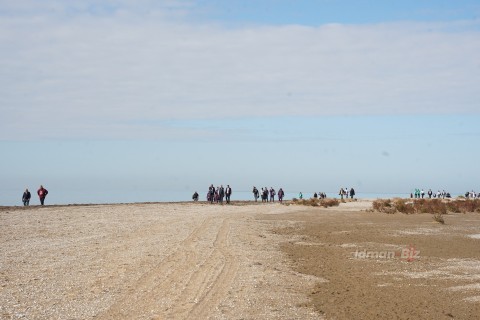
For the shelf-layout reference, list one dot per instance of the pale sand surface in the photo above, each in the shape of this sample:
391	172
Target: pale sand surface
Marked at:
148	261
244	261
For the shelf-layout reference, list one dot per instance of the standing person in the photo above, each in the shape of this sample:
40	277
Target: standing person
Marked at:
42	193
195	196
211	193
272	194
430	193
340	193
265	195
280	195
228	193
26	197
255	193
300	195
221	194
422	193
352	193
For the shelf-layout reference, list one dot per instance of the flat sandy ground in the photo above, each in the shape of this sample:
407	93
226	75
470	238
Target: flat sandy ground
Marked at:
242	261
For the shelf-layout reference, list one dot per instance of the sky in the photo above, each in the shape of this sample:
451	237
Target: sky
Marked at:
125	101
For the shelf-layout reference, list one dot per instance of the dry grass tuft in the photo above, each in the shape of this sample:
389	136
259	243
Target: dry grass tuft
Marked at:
439	218
317	202
384	205
434	206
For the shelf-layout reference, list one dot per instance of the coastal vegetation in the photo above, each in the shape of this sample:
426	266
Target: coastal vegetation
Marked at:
433	206
317	202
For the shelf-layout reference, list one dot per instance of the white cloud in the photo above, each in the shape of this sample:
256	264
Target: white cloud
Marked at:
88	74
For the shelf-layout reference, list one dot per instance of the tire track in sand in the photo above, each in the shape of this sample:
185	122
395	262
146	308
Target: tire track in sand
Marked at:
188	284
210	283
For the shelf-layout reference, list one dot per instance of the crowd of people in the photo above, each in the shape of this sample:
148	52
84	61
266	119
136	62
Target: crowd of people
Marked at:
41	192
344	192
472	195
218	194
420	194
268	195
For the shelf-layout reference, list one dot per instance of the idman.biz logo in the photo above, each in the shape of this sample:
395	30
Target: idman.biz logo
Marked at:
409	254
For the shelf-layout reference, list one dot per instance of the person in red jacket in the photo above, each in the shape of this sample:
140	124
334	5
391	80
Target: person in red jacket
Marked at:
42	193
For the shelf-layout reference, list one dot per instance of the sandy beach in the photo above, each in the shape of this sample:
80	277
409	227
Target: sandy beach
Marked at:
241	261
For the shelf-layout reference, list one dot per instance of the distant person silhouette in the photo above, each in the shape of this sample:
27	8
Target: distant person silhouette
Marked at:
26	197
42	194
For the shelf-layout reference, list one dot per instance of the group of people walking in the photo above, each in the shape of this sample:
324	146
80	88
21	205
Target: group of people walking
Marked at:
472	194
420	194
41	192
217	194
344	192
267	194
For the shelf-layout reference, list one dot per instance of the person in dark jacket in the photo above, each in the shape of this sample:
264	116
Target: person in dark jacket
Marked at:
228	193
42	193
26	197
211	193
280	194
352	193
195	196
272	194
255	193
221	194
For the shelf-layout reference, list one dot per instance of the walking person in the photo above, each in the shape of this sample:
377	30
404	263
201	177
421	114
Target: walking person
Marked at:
228	193
265	195
26	197
42	193
352	193
340	193
211	193
272	194
221	194
195	196
280	195
255	193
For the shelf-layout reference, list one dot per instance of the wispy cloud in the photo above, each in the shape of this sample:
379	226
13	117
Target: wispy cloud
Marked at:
102	71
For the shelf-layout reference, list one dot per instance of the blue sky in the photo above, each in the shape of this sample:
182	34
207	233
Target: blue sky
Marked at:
171	96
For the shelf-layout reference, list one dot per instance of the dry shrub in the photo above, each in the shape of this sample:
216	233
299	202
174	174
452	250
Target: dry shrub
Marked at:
312	202
315	202
329	203
439	218
384	205
464	206
430	206
452	206
380	204
404	206
434	206
472	205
